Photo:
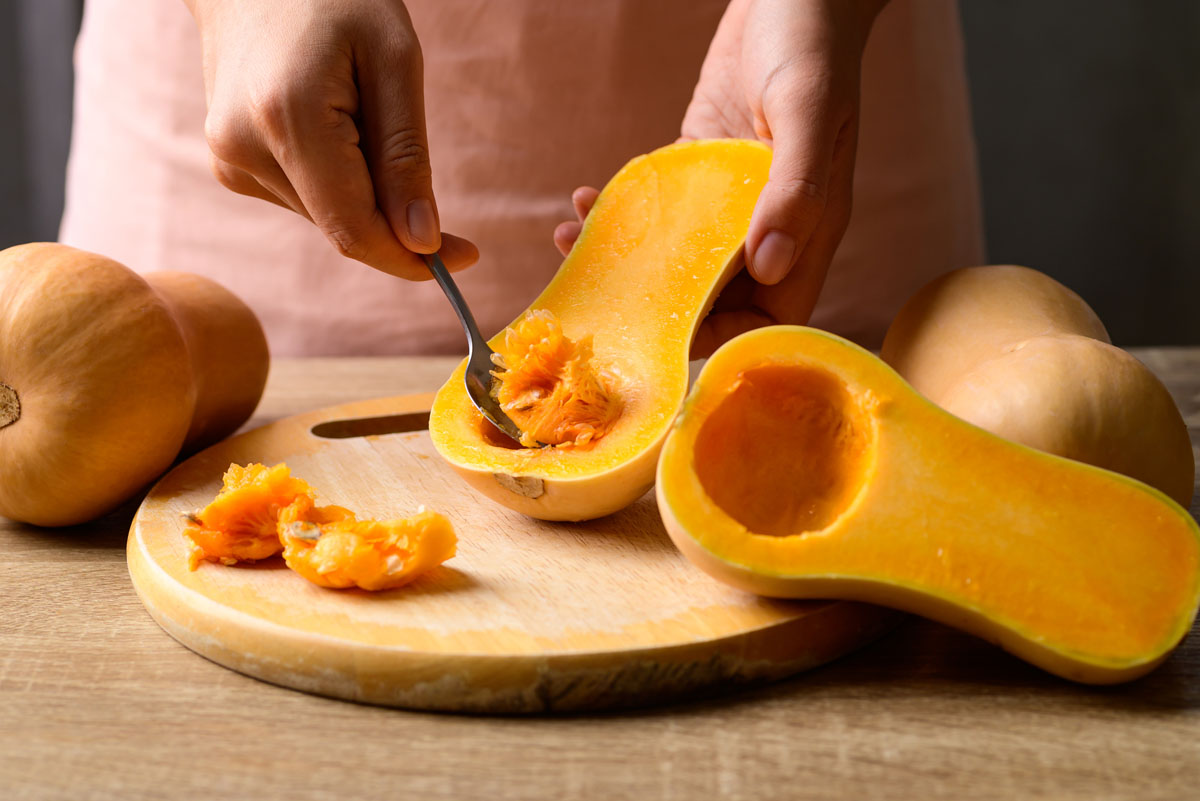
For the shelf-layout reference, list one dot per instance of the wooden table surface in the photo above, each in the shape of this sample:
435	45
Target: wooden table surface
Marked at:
97	702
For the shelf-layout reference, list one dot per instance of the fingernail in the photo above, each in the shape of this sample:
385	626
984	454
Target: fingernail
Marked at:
774	257
422	223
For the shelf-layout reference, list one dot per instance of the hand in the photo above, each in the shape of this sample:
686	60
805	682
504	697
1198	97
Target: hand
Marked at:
318	106
785	72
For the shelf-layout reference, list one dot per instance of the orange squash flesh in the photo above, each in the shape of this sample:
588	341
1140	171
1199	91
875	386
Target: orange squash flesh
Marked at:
240	525
799	453
861	489
332	549
548	385
261	511
663	238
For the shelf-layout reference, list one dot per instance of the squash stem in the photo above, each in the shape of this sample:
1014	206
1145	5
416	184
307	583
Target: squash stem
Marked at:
10	405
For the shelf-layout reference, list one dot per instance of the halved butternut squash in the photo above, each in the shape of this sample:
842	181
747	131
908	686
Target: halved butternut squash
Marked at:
663	238
802	466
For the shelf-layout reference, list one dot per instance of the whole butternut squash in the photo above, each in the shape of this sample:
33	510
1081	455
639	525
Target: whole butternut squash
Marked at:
227	351
105	377
1017	353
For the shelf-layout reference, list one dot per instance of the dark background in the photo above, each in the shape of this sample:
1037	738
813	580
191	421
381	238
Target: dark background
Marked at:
1087	116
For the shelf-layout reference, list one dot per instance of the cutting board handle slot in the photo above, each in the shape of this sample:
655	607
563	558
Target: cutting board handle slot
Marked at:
372	426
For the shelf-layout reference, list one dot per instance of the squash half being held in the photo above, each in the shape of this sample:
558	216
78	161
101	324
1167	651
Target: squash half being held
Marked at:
663	238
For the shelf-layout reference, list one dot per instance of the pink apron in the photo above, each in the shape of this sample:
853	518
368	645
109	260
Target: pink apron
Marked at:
526	100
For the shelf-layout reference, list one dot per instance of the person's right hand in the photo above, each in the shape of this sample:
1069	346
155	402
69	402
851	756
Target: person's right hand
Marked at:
318	106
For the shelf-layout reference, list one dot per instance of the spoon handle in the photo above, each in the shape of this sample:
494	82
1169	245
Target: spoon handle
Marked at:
442	276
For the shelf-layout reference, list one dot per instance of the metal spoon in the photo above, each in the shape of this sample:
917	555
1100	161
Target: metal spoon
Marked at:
478	377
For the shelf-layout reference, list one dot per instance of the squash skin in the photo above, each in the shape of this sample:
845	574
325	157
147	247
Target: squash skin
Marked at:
564	499
226	348
992	346
968	316
1084	572
102	373
114	375
662	240
1092	420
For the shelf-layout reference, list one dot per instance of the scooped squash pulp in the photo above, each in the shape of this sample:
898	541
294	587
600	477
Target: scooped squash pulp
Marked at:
548	385
331	548
262	511
802	466
663	238
241	523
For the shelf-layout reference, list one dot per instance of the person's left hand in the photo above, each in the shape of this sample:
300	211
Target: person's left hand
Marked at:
785	72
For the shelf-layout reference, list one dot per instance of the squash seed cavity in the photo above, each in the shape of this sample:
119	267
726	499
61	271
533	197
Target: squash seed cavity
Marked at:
550	385
787	449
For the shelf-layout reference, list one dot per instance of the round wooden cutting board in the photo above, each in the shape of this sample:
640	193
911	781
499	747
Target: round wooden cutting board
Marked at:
529	616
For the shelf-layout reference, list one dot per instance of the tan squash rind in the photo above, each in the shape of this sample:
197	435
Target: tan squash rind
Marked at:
968	316
1014	351
101	370
105	376
1101	406
227	350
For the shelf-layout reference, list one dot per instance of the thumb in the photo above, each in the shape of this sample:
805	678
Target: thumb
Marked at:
391	83
799	121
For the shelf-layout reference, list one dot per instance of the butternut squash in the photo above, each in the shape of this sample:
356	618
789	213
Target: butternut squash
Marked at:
227	351
1013	351
802	466
105	376
663	238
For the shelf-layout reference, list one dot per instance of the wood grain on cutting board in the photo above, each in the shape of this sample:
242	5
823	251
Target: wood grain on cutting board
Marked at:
529	616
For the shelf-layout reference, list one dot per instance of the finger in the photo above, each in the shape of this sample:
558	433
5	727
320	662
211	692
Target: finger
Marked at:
798	118
583	199
792	300
391	83
274	189
331	177
457	253
733	312
238	180
315	141
565	235
242	161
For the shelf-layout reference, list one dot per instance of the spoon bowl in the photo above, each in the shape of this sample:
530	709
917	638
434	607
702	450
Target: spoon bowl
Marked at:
480	364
